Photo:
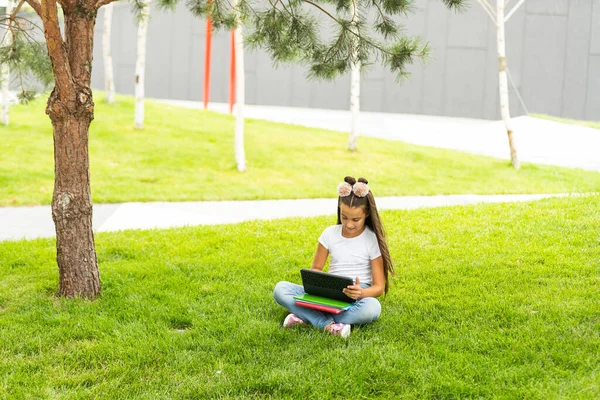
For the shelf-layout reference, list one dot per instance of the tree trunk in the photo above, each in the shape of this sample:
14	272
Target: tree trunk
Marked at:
5	68
140	66
354	105
354	93
109	79
240	83
503	82
71	110
72	200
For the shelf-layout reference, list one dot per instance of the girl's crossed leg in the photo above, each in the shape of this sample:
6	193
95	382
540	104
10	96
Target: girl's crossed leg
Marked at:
363	311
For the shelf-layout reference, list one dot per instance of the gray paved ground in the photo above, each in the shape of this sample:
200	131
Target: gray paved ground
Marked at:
34	222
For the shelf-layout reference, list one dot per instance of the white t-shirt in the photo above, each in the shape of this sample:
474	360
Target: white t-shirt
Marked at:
351	257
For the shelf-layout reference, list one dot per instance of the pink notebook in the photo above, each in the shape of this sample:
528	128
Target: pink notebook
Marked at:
320	307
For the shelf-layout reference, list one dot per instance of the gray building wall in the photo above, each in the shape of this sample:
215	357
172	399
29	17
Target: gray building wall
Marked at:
553	52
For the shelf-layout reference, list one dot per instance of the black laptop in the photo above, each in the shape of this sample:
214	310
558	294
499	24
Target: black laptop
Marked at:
327	285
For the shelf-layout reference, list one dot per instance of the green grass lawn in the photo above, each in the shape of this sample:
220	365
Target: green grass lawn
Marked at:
490	301
589	124
184	155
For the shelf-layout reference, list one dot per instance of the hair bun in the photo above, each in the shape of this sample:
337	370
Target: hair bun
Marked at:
363	180
350	180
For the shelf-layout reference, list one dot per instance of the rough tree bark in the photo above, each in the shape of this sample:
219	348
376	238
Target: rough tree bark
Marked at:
71	110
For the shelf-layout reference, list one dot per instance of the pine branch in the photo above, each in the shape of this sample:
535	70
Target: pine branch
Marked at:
291	14
11	20
101	3
36	6
513	10
39	28
376	5
322	10
17	9
289	31
458	5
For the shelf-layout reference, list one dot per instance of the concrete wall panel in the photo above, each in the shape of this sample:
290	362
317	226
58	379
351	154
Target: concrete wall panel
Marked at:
544	63
595	28
593	94
273	82
436	32
331	94
547	7
553	48
160	48
576	60
405	95
181	48
469	29
465	85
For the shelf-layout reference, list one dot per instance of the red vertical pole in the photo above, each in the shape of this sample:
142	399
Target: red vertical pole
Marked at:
232	73
207	61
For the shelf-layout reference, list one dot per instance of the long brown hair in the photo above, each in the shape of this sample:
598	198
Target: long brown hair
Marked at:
372	221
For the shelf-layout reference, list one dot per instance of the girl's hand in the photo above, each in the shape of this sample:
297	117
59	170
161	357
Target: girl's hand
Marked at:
354	291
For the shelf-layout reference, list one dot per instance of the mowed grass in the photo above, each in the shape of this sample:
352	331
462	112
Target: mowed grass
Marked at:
489	301
187	155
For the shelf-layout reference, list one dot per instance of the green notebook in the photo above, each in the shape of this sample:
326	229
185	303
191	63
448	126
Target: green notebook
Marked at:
323	300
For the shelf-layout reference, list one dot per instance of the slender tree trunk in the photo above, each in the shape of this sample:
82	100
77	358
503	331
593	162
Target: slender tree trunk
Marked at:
5	68
354	93
240	85
71	110
72	200
109	79
354	106
503	83
140	66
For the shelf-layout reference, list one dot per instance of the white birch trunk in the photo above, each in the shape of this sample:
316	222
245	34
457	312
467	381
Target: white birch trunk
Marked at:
140	66
354	95
109	80
354	105
240	84
6	70
503	82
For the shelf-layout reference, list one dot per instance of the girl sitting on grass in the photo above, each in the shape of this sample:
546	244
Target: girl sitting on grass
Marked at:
358	249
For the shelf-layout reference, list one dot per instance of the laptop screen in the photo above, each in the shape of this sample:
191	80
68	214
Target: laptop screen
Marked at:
326	285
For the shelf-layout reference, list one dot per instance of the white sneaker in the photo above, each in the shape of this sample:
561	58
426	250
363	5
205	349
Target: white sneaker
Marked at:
340	329
292	320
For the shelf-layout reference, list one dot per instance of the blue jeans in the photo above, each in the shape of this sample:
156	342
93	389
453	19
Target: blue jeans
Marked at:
362	312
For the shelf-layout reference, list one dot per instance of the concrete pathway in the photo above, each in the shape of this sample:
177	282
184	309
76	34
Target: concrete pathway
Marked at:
35	222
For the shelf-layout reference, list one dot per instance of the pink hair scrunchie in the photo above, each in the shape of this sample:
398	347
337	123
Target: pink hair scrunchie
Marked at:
360	189
344	189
